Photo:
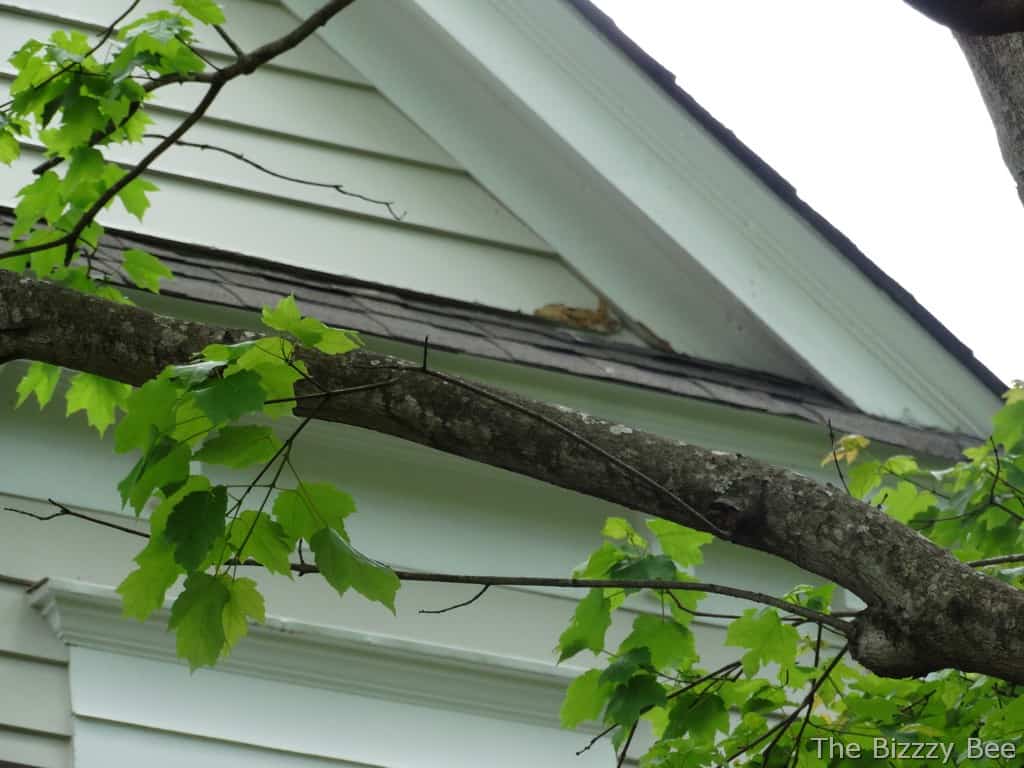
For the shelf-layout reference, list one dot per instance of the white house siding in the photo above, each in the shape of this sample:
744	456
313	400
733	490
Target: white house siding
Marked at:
311	115
35	722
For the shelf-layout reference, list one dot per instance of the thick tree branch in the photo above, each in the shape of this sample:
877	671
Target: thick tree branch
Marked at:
925	610
974	17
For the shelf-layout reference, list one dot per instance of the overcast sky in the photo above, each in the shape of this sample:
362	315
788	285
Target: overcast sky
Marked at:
871	112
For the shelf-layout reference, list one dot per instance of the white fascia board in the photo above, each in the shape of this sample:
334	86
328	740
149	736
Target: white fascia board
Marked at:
312	655
636	196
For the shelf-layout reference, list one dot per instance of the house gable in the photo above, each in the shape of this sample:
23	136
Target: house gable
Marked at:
637	195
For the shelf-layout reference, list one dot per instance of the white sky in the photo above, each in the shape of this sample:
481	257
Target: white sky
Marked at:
871	112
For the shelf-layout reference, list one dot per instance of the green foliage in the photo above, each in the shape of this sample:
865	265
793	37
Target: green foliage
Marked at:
80	104
145	270
766	637
590	621
206	11
41	381
100	399
345	568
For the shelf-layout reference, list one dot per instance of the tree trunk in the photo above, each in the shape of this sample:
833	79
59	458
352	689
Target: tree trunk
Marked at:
926	611
998	67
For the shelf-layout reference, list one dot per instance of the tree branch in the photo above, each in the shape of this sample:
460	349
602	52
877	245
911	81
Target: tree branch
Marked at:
974	17
925	610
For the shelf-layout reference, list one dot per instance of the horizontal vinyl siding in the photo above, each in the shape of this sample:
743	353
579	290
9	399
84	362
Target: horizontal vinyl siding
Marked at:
35	704
34	749
454	240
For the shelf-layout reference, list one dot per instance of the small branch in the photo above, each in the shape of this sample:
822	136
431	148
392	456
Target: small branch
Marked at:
625	747
63	511
542	581
248	63
835	458
339	188
235	47
198	53
463	604
335	392
689	686
781	727
136	171
1001	560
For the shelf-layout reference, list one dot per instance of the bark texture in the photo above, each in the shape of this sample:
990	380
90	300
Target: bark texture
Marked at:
926	610
998	67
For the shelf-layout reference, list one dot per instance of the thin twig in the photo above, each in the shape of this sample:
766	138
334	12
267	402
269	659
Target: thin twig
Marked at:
463	604
625	747
235	47
835	458
63	511
335	392
339	188
114	189
781	727
1001	560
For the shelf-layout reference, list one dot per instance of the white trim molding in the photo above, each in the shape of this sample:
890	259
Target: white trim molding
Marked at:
310	655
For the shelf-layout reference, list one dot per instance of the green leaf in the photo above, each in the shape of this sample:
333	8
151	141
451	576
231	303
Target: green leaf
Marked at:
310	507
343	567
768	639
166	463
240	446
584	699
206	11
197	617
40	380
816	598
98	397
144	589
337	341
308	330
233	396
267	542
1008	425
287	318
10	150
590	621
699	716
195	523
134	197
863	478
669	643
626	665
244	603
40	199
194	374
630	700
619	529
600	563
149	413
680	543
901	465
905	501
648	568
145	270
